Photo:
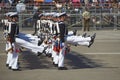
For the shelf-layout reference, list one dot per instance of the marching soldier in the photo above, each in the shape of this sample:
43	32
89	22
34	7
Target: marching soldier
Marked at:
13	30
6	23
60	46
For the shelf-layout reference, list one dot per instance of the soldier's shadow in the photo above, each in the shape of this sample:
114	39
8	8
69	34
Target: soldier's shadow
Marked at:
73	60
31	61
80	61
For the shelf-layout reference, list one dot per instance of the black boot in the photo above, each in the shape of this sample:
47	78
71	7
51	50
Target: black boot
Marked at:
16	69
56	65
92	40
7	65
62	68
84	35
38	54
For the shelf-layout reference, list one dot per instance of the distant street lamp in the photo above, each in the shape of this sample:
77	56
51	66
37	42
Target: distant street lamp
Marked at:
20	7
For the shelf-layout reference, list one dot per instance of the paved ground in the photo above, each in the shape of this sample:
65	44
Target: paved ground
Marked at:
100	62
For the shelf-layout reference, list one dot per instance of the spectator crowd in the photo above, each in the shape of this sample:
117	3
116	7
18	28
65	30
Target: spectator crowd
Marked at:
75	3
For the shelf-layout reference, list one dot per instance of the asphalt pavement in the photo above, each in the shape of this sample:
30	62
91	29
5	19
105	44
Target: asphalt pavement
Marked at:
99	62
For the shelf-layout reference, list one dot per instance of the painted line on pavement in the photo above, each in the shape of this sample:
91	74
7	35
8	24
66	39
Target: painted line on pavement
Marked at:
101	53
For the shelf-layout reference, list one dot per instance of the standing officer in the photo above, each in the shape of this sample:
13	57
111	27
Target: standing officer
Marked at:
86	20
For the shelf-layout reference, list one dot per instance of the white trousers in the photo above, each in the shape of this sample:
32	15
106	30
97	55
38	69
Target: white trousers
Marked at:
34	48
58	58
9	53
14	61
61	57
79	40
55	57
9	57
48	50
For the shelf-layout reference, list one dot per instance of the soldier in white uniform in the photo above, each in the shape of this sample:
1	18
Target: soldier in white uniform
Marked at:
38	26
6	23
59	46
13	31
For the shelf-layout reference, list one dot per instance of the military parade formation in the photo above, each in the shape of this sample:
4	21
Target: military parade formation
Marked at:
51	38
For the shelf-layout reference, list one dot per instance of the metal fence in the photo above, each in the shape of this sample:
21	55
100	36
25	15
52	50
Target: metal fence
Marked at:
98	21
104	17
